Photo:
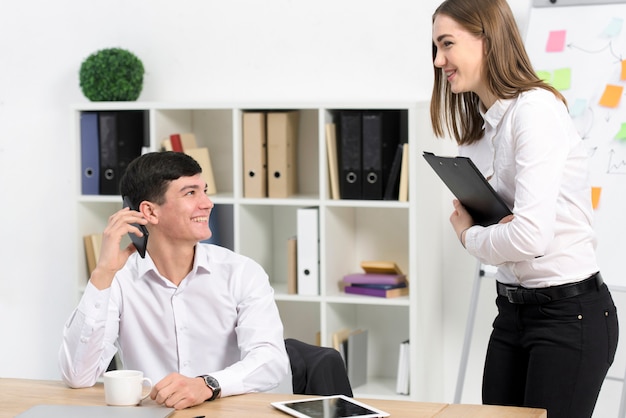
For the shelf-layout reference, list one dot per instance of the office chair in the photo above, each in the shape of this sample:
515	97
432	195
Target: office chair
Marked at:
317	370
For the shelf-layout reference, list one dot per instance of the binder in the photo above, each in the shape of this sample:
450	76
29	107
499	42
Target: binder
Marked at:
89	153
121	139
282	134
393	180
308	251
254	155
350	154
381	134
468	184
357	358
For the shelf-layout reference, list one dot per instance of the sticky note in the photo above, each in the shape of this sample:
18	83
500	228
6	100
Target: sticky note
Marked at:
595	196
611	96
578	108
614	28
561	80
556	41
545	76
621	134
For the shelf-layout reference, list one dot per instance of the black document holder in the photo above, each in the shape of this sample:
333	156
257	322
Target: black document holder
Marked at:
468	184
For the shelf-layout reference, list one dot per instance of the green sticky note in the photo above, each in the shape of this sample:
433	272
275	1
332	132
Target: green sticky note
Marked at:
621	135
545	76
562	79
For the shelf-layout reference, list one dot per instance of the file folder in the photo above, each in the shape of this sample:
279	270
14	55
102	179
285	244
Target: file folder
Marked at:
350	154
107	126
468	184
282	135
121	140
89	153
381	135
308	251
254	155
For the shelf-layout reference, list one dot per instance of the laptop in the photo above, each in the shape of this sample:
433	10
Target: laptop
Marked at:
81	411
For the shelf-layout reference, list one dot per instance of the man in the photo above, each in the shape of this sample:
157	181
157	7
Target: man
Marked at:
198	319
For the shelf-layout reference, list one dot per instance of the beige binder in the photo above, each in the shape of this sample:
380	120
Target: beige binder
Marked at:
254	155
282	135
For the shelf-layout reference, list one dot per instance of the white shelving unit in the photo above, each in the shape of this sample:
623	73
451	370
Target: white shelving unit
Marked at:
350	231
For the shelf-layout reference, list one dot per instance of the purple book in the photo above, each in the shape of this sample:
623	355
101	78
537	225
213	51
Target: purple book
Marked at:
374	278
381	293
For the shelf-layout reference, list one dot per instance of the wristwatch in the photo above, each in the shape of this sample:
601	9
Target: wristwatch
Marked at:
212	384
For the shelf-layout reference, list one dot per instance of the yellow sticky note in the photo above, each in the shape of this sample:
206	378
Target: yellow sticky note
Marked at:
595	196
562	79
611	96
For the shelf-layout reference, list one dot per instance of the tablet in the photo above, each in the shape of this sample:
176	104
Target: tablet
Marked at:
336	406
467	183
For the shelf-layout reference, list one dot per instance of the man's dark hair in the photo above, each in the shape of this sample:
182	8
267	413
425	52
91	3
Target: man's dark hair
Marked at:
148	176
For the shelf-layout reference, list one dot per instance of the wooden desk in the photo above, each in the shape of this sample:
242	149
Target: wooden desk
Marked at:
17	395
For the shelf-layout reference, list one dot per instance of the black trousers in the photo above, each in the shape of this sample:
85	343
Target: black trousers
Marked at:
553	355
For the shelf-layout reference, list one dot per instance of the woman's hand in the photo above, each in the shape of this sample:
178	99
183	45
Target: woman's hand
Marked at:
461	220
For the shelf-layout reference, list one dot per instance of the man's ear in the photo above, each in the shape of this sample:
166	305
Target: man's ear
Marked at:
149	211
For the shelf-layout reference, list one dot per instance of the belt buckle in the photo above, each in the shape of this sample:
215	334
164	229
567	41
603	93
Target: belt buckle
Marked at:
510	290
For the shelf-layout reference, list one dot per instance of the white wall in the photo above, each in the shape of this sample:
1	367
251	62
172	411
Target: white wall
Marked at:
193	51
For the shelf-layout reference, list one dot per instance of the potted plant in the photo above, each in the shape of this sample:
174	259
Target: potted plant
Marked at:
111	74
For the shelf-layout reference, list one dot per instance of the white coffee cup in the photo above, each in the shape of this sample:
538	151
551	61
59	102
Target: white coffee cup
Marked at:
125	387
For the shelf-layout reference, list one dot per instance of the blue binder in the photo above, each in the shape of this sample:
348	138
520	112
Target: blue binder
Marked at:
89	153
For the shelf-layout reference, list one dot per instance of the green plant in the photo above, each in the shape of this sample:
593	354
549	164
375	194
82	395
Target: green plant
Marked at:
111	74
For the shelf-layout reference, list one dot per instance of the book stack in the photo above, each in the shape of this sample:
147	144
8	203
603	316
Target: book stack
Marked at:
186	142
382	279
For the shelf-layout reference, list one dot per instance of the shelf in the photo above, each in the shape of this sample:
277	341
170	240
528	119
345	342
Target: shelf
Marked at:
350	231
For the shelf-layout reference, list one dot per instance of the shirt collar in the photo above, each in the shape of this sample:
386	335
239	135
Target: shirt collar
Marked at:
496	112
146	267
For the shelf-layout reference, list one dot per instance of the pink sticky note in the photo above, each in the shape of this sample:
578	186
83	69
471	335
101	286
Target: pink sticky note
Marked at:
556	41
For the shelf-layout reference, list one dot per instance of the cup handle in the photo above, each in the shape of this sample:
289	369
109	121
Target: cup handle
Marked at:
149	382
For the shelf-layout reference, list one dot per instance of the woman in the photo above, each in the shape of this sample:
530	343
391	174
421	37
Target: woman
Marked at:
556	331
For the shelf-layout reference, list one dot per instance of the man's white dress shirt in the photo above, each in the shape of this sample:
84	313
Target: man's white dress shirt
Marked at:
221	320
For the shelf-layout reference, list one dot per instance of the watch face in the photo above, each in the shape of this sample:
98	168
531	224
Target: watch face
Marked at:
212	383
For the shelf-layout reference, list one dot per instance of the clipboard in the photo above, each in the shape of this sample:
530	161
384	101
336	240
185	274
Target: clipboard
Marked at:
468	184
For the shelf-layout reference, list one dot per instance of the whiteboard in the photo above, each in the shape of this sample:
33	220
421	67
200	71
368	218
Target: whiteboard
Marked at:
581	49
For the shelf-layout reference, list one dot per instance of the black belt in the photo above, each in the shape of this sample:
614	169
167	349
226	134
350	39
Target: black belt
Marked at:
522	295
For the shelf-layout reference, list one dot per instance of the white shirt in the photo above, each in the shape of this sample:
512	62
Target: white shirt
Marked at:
221	320
534	158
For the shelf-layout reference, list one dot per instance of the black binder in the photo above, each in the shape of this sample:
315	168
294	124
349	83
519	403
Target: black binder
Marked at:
381	135
350	154
122	136
468	184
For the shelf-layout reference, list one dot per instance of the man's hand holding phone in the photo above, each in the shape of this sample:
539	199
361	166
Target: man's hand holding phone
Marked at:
112	256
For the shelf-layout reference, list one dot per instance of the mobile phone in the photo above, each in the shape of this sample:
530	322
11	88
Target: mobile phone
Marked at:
140	243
